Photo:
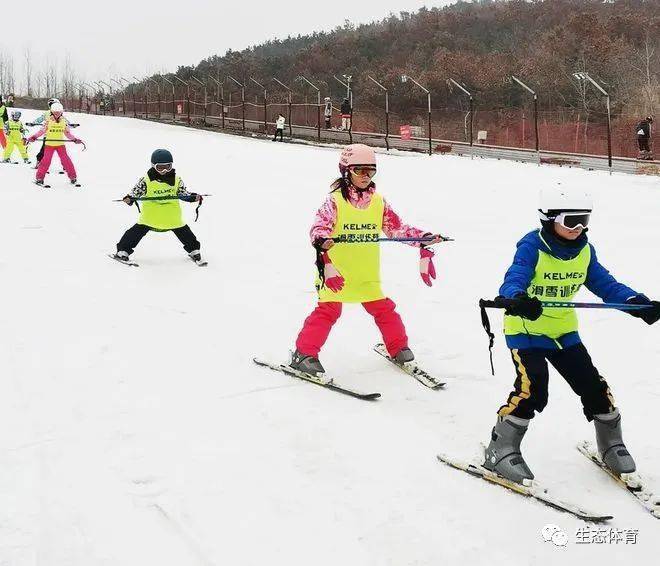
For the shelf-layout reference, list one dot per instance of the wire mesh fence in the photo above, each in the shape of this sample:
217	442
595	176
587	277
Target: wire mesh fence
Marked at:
568	130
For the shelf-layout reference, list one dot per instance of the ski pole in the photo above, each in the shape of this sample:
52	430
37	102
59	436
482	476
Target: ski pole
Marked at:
63	141
503	303
343	240
173	197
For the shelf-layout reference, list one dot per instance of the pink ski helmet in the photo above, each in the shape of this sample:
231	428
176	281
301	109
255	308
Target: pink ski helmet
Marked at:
356	154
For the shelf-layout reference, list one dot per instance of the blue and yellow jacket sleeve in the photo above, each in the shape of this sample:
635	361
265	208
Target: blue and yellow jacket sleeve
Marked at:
603	284
520	274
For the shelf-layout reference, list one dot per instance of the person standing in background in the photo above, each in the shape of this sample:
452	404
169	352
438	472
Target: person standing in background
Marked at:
327	113
643	131
346	114
279	127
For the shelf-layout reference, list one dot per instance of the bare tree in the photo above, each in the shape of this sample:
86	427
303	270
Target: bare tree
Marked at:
6	72
646	65
28	70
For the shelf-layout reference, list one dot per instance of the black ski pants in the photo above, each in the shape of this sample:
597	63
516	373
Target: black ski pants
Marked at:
40	155
136	232
279	132
643	143
530	389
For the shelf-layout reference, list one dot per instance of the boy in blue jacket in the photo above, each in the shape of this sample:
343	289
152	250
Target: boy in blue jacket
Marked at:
551	264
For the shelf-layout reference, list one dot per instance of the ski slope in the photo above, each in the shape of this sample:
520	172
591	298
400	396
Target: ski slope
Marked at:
135	430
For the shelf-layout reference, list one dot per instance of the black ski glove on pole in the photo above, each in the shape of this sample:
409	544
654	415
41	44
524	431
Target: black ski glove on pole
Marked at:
649	315
525	306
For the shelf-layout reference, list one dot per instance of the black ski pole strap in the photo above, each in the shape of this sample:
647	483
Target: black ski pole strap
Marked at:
485	322
320	266
138	205
201	200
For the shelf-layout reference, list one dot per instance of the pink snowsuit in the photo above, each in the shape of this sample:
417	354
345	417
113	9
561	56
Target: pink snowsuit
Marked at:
49	150
317	326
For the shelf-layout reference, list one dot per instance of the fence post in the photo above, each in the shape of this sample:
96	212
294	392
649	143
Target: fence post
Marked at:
387	111
265	104
318	104
536	110
582	76
405	78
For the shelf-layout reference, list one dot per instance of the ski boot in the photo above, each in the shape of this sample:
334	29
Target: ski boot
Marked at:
73	181
306	364
121	255
197	258
39	182
404	355
503	453
611	448
26	160
6	160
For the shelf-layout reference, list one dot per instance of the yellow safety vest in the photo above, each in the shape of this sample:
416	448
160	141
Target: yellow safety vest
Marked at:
554	280
55	131
2	113
358	262
15	130
162	214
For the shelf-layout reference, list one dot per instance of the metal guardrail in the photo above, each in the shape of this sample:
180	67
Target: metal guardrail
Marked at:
311	133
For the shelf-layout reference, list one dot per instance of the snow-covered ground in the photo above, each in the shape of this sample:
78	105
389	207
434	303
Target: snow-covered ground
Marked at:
135	429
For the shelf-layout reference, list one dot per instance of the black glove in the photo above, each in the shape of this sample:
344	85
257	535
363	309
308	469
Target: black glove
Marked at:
649	315
323	244
129	200
192	197
29	124
525	306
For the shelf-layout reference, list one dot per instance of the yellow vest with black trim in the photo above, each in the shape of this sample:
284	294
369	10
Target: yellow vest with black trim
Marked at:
15	130
2	113
554	280
161	214
55	131
358	262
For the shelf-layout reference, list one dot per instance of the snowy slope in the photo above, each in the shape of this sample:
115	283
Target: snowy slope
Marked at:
135	430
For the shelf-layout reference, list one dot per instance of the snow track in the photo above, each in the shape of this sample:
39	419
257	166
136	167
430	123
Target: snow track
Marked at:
135	429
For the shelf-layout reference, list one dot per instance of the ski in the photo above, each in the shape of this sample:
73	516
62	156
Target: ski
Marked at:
412	369
129	263
42	185
320	381
534	490
632	483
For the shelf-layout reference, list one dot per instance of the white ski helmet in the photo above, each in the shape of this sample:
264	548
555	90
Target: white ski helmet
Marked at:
56	107
52	101
554	200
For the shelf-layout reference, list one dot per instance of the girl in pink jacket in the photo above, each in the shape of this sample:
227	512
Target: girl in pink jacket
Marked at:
55	129
345	233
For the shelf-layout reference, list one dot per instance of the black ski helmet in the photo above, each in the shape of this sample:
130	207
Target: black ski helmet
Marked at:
161	156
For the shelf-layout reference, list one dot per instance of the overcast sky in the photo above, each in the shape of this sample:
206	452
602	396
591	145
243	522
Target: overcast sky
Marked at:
133	37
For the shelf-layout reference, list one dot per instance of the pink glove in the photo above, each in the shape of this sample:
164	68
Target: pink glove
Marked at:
77	140
31	139
333	279
426	267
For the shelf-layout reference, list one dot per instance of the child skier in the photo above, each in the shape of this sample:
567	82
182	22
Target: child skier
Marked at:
14	131
40	120
552	264
3	118
54	130
350	273
164	215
